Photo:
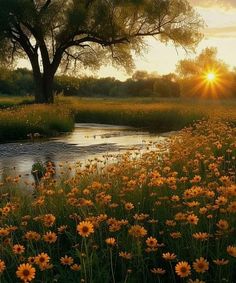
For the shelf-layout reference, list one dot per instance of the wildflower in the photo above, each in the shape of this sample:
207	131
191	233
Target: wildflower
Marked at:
151	242
221	261
2	266
158	270
201	265
125	255
26	272
192	219
75	267
48	220
18	249
110	241
169	256
50	237
129	206
85	228
42	259
231	250
202	236
183	269
137	231
66	260
223	224
32	235
175	235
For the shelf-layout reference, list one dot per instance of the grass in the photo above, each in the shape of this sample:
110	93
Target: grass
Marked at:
157	115
118	222
22	121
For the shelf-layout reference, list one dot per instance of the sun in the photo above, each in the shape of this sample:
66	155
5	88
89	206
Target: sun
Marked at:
211	77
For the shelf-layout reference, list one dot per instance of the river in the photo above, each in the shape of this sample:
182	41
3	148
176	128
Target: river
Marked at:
86	142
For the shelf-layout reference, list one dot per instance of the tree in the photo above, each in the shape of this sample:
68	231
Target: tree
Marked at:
206	61
61	34
194	75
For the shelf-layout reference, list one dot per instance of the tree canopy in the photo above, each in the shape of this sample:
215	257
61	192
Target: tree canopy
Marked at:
63	34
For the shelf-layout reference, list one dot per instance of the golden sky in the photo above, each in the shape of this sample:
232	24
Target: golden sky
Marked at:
220	32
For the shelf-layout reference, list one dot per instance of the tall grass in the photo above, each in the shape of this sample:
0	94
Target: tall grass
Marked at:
156	115
164	216
20	122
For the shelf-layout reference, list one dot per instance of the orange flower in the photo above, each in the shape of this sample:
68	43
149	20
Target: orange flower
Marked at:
2	266
231	250
169	256
137	231
66	260
42	259
192	219
158	270
151	242
221	261
201	236
75	267
26	272
18	249
85	228
125	255
201	265
110	241
50	237
183	269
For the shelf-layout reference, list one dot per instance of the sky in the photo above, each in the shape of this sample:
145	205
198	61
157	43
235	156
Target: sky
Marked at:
220	32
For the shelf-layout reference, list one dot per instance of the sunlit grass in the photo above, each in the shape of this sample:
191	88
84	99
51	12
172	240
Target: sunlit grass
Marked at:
138	220
158	115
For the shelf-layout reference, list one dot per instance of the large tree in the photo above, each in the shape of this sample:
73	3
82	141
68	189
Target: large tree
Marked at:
55	34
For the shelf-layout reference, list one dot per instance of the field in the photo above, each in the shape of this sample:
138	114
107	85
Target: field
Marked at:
18	121
164	216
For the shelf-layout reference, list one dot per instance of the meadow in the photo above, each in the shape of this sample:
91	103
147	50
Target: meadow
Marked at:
161	216
18	121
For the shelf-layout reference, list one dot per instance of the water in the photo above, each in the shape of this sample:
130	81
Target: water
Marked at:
87	141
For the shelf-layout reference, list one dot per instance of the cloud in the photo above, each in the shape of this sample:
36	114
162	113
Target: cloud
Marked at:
229	31
213	3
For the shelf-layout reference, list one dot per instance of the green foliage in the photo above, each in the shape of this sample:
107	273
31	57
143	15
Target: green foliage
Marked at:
85	33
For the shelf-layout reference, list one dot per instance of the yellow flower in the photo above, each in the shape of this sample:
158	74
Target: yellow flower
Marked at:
183	269
201	265
85	228
66	260
25	272
169	256
18	249
50	237
2	266
110	241
231	250
137	231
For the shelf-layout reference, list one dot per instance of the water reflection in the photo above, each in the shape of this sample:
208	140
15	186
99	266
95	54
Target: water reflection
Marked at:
86	142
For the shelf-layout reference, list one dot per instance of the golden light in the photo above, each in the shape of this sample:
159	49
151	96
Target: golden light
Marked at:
211	77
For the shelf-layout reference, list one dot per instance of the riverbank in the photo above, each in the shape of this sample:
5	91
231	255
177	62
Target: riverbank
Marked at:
155	115
166	217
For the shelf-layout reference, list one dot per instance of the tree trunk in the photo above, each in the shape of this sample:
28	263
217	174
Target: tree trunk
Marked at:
43	88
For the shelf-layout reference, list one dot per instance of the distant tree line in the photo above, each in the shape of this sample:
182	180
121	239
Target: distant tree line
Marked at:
141	84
